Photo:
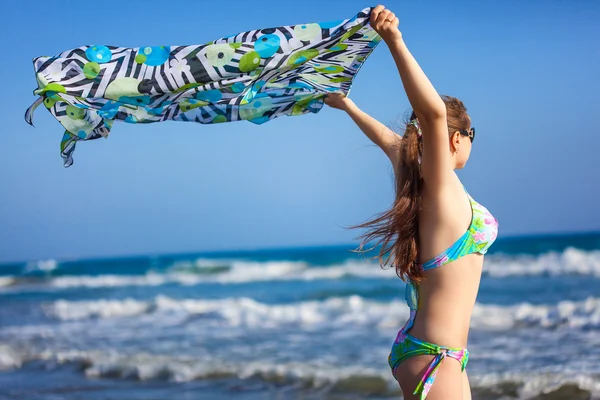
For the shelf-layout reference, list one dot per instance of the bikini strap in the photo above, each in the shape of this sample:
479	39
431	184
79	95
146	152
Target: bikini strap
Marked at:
427	380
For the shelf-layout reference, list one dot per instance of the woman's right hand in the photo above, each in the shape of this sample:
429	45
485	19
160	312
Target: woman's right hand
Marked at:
385	23
338	100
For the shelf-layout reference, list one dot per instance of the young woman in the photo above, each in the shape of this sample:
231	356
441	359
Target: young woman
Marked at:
435	234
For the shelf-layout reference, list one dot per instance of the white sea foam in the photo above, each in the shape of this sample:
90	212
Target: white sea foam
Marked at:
145	366
348	311
569	262
531	385
569	314
150	279
66	310
319	374
9	358
41	265
6	280
237	272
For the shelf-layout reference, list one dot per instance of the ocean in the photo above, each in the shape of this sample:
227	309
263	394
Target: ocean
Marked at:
300	323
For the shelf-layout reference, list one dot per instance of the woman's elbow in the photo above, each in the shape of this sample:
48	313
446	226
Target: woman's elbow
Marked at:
433	115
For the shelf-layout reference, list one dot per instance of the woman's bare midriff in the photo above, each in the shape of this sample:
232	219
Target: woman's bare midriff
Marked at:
446	299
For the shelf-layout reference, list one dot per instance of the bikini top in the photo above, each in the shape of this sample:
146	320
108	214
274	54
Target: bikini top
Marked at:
477	239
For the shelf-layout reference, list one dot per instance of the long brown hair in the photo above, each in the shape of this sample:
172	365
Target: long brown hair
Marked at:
397	229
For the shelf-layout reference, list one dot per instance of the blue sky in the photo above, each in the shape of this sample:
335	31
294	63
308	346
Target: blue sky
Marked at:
527	71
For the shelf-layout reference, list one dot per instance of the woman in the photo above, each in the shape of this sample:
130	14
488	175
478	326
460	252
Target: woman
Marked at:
435	234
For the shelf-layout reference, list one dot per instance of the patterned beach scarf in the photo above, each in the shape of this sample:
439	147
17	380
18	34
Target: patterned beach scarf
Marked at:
256	76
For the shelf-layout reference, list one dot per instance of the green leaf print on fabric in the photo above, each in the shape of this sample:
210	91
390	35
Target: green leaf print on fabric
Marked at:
289	68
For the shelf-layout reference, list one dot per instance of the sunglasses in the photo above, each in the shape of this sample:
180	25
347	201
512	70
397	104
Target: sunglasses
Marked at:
468	132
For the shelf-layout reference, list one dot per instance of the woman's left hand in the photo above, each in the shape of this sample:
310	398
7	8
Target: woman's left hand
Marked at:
338	100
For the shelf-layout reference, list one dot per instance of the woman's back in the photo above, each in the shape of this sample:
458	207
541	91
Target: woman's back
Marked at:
446	295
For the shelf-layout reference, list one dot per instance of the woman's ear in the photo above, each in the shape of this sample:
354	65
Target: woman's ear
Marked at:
455	140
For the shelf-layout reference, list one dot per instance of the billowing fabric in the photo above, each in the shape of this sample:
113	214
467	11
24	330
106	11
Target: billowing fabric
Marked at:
256	76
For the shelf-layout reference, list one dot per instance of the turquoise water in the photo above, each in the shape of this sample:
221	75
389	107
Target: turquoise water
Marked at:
287	323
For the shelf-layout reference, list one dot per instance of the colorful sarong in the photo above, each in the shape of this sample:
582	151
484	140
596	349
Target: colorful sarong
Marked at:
256	76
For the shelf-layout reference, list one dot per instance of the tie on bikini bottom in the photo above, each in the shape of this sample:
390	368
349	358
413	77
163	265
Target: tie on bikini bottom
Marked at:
414	347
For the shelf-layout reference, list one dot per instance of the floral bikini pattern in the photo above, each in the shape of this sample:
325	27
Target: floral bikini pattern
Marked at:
477	239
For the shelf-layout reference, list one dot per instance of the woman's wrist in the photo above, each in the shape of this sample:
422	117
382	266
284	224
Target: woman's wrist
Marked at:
349	105
391	37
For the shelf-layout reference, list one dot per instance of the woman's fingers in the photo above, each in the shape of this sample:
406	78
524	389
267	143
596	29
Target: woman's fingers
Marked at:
380	16
377	10
385	23
337	100
375	13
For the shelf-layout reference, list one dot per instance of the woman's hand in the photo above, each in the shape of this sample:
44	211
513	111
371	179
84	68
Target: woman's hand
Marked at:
338	100
385	23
